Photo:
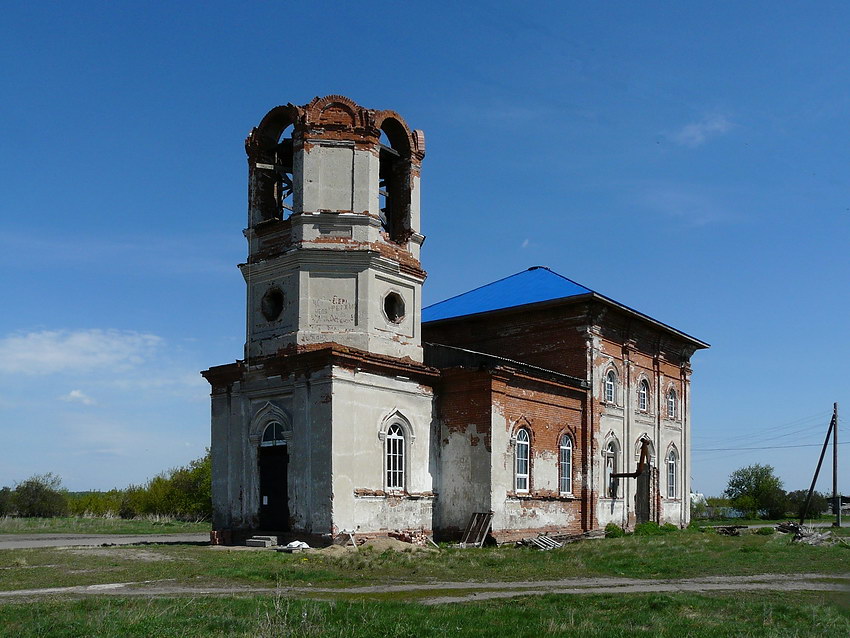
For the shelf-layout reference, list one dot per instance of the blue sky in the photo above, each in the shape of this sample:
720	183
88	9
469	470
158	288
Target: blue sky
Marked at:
689	160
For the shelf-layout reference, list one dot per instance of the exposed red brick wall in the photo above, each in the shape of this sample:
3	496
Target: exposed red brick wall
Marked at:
550	338
464	400
549	410
557	338
554	337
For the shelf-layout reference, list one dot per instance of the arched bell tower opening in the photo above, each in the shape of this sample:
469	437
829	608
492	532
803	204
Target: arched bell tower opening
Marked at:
394	180
333	231
270	149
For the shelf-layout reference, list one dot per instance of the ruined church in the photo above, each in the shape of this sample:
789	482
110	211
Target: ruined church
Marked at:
355	409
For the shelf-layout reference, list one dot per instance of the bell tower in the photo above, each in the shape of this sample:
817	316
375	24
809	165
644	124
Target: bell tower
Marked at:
333	231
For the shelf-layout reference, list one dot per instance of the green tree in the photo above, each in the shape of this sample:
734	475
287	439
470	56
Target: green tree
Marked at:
40	495
5	501
757	488
183	492
95	503
797	501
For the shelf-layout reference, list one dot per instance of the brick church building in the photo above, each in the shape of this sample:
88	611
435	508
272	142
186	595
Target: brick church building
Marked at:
356	409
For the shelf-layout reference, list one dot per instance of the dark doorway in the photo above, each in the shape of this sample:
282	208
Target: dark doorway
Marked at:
274	501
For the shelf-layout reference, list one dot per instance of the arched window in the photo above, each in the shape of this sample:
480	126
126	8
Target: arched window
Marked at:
394	443
565	465
611	454
611	387
272	435
523	447
671	403
643	396
672	474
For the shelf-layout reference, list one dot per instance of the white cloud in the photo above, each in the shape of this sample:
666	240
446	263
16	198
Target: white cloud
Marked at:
77	396
698	133
525	243
689	204
53	351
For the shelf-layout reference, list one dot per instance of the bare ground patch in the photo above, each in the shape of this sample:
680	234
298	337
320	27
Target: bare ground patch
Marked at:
144	555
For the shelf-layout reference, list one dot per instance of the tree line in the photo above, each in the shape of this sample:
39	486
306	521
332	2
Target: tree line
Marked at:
756	492
184	493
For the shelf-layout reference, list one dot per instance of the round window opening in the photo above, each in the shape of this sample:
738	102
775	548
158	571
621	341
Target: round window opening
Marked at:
394	307
272	304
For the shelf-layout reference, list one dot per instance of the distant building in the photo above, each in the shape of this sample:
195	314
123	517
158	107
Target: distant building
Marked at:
355	409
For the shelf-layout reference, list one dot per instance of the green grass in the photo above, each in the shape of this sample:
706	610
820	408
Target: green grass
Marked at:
94	525
773	615
824	518
676	555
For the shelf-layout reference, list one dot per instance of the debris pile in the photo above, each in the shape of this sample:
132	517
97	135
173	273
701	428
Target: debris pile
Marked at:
788	527
293	547
809	535
542	542
381	545
547	541
413	537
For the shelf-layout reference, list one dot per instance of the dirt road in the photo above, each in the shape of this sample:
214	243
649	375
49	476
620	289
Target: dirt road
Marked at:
29	541
455	592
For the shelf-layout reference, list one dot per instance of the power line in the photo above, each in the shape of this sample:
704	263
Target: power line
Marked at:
811	428
806	422
769	447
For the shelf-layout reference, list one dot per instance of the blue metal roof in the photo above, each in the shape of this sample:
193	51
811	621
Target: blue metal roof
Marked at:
534	285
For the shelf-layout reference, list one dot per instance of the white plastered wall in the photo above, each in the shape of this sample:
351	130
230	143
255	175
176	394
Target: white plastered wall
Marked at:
334	296
363	404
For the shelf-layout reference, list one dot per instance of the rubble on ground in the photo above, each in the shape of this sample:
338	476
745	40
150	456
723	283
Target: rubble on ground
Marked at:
809	535
553	541
381	545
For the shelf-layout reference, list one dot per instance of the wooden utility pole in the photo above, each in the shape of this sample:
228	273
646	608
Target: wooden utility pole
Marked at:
836	497
829	432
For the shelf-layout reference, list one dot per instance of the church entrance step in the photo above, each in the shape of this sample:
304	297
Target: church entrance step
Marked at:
261	541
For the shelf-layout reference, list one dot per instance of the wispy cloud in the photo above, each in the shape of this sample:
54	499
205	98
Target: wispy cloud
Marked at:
698	133
77	396
525	243
689	204
148	401
54	351
180	255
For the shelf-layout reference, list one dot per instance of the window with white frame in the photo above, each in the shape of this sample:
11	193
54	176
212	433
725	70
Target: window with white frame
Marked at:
521	452
672	474
611	487
565	465
671	403
273	435
643	396
394	444
611	387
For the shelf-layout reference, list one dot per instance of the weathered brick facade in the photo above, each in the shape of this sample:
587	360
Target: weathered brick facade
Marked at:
349	413
587	338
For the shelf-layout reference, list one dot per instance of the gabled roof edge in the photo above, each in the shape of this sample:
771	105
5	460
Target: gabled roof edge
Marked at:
575	298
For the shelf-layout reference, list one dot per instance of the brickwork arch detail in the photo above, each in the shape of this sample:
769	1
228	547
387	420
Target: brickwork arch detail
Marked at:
267	414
